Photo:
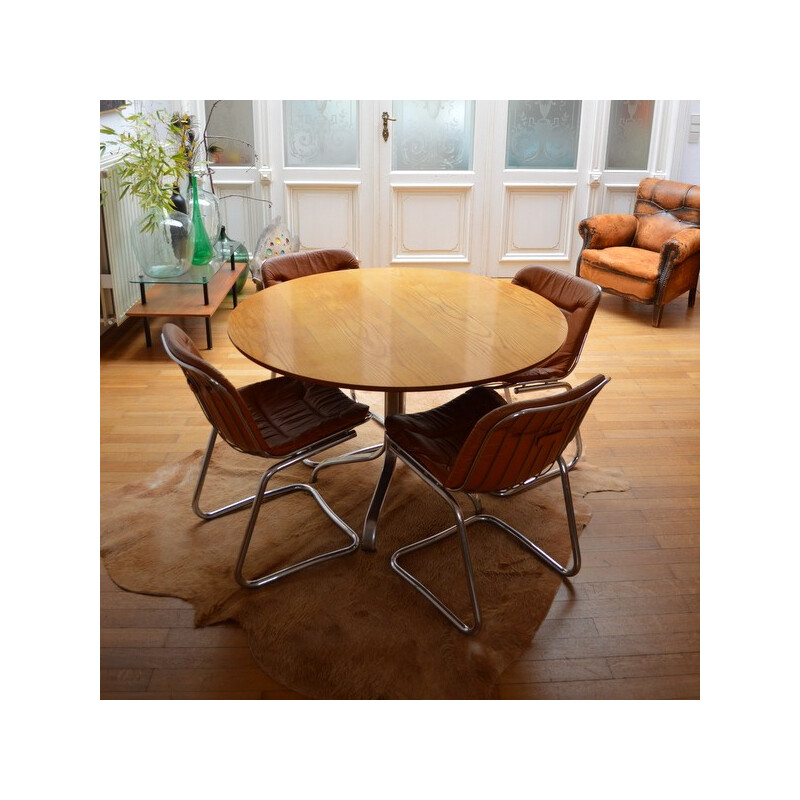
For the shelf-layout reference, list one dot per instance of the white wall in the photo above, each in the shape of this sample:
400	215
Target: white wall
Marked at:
690	165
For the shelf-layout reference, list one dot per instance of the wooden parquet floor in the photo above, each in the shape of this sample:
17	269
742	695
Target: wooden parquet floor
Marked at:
628	629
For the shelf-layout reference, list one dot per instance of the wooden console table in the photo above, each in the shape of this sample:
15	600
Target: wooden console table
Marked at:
197	293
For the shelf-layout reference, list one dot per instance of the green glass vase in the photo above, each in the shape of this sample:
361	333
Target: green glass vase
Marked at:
203	251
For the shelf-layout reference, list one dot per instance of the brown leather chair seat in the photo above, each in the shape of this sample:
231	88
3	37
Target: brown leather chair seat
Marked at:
435	437
291	414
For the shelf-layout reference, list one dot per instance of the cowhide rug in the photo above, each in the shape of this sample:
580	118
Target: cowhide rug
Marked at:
348	628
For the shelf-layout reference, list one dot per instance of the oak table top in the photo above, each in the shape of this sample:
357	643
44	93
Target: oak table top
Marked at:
396	329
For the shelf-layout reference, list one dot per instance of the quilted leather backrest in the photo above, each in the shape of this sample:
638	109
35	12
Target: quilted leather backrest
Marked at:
221	402
578	300
663	208
520	440
308	262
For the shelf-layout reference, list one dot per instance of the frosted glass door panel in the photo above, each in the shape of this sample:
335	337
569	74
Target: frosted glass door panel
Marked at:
543	134
229	132
320	133
630	126
432	135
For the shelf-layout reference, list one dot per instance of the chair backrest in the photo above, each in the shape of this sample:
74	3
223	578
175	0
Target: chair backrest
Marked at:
221	402
308	262
662	209
520	440
578	300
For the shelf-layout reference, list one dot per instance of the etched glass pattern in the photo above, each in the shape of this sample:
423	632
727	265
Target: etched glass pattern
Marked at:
432	134
630	125
320	133
229	132
543	134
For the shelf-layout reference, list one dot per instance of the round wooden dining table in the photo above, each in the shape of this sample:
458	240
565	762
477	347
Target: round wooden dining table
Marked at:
395	330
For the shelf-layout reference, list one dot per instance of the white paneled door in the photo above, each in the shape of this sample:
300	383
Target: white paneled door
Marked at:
322	159
432	183
479	186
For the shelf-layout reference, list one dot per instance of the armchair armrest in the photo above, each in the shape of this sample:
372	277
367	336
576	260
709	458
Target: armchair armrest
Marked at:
681	245
607	230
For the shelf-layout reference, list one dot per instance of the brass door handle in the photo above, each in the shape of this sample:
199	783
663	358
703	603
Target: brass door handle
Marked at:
386	120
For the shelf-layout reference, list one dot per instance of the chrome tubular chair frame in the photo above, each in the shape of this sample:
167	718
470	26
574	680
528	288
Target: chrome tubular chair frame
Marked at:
368	453
462	523
461	526
263	495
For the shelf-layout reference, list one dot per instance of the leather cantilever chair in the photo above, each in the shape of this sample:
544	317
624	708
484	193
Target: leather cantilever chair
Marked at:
282	419
478	443
578	300
651	256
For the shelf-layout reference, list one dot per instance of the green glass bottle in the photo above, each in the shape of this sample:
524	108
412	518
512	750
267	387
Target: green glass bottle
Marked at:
203	252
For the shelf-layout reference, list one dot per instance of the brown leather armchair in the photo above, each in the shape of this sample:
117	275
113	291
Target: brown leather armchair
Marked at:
651	256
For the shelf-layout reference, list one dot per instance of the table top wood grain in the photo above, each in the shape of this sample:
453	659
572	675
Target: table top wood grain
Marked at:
397	329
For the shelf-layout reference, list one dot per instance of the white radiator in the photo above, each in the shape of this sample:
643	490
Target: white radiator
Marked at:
119	216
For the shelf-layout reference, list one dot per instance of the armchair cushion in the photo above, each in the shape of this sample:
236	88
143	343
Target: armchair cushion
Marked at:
631	271
654	229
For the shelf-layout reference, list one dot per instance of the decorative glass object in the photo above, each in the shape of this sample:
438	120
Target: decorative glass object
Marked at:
209	210
163	243
177	200
275	240
203	245
222	256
